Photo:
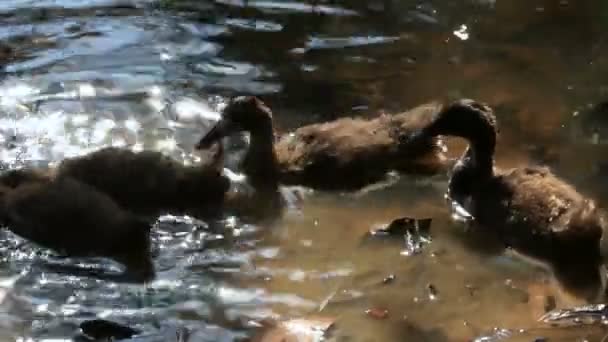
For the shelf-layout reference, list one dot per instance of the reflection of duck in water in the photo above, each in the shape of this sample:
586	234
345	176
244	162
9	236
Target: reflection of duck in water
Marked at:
75	219
529	208
345	154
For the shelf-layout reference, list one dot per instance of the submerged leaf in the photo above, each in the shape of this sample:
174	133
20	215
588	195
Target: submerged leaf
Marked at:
403	226
415	232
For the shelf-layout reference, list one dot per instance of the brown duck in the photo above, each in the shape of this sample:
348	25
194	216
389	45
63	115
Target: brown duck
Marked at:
345	154
529	209
74	219
149	182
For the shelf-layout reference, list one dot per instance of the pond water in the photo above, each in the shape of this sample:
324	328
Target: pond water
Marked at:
151	75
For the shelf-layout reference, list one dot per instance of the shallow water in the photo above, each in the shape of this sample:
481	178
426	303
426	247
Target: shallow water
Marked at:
151	75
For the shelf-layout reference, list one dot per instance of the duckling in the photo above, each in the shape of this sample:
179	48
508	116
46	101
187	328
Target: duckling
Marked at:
529	209
149	182
345	154
74	219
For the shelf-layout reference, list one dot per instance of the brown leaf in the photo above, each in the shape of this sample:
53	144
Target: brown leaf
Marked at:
377	313
310	329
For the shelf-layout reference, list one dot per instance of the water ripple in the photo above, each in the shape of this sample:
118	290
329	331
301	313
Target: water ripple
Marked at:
316	43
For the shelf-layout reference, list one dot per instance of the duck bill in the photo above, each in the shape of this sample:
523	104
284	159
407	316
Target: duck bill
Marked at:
217	132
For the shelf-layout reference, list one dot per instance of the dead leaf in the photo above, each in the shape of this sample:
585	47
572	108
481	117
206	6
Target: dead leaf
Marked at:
310	329
377	313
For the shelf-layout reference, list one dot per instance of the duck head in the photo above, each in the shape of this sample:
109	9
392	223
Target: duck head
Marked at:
476	123
242	114
249	114
466	119
470	120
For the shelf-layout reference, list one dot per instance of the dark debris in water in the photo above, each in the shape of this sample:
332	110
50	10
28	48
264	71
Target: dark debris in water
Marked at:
403	226
104	330
389	279
416	232
433	293
101	329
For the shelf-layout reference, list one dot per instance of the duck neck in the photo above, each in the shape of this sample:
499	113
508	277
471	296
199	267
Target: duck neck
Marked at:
260	163
480	156
475	166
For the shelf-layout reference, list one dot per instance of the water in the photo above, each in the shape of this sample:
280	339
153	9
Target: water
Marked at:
152	74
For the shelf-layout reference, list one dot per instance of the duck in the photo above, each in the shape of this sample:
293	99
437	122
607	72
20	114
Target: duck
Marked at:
347	154
529	209
75	220
151	183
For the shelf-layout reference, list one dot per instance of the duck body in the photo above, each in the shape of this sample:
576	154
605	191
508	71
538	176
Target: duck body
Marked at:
529	209
352	153
345	154
149	182
538	214
74	219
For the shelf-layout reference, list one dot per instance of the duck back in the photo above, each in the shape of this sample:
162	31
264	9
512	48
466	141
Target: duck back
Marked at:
543	219
537	213
351	153
148	180
337	154
75	219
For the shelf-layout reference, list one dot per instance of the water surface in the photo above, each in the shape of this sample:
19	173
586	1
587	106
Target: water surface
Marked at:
152	74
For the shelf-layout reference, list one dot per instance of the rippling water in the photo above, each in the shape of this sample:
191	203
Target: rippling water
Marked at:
152	74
